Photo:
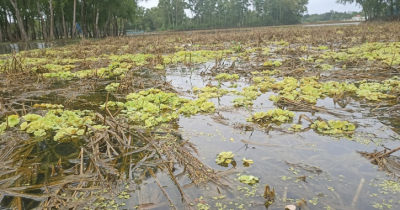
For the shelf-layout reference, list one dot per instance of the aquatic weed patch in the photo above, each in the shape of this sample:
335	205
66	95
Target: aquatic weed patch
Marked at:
153	107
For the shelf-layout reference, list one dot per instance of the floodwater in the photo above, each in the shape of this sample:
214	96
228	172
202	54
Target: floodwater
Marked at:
8	48
336	176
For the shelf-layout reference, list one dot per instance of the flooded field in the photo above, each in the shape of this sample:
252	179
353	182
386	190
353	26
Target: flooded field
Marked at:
8	48
262	119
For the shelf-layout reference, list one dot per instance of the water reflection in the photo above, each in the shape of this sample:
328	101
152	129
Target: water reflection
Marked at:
8	48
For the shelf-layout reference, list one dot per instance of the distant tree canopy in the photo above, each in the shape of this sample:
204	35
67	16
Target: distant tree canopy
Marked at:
376	8
49	19
206	14
329	16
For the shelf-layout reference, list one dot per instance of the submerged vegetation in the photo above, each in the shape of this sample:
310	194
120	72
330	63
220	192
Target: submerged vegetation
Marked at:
204	121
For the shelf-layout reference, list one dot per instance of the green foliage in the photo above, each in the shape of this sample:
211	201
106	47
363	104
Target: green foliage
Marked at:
199	56
237	48
112	87
324	67
282	43
224	157
277	115
64	122
247	161
248	179
388	53
210	92
199	105
112	105
329	16
13	120
273	63
373	91
225	76
333	127
153	107
241	101
213	14
295	127
48	106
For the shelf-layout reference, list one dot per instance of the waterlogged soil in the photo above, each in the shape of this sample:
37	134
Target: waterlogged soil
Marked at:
324	169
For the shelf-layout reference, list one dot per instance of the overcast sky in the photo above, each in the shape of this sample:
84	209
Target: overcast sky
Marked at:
314	6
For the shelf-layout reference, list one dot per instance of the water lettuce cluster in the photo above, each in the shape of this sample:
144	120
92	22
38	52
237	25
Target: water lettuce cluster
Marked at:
48	106
248	179
295	128
388	52
272	63
64	123
308	89
153	107
333	127
266	72
224	157
199	56
277	115
112	87
374	91
210	92
226	76
13	120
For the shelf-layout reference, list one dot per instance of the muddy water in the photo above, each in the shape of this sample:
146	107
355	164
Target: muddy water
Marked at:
343	170
337	177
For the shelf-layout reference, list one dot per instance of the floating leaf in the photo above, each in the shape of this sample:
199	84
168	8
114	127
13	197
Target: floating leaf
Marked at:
248	179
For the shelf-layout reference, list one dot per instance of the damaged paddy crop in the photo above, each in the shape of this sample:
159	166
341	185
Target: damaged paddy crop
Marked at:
254	119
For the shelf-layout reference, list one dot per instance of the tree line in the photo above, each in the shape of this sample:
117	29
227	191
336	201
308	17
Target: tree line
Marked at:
23	20
376	8
329	16
206	14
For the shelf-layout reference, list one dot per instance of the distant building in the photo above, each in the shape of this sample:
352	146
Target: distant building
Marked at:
358	18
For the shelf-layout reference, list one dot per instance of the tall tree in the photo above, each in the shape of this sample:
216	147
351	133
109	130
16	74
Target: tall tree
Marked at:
63	21
24	37
51	20
1	35
74	21
44	31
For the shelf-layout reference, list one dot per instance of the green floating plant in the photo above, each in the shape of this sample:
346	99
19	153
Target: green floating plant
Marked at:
273	63
272	115
282	43
226	76
65	123
333	127
247	161
241	101
49	106
224	157
153	107
295	128
248	179
112	105
324	67
112	87
210	92
13	120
